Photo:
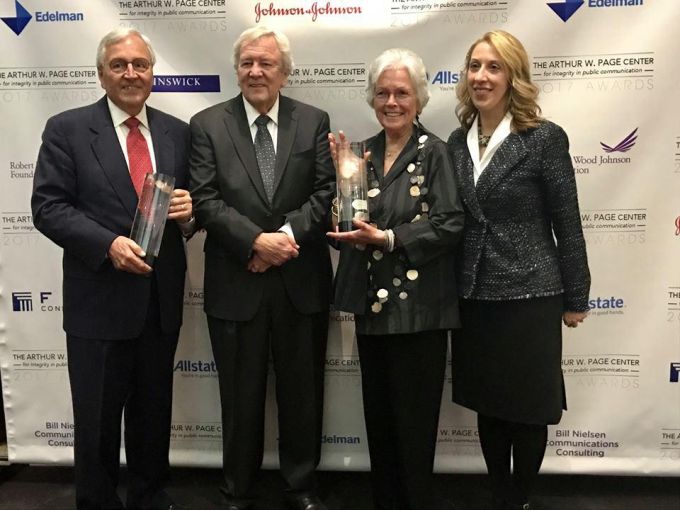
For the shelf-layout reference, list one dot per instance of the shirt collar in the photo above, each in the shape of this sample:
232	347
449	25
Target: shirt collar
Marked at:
252	113
118	116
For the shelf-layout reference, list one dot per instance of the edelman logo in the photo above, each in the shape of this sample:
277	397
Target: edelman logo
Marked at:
567	8
675	372
19	22
601	303
624	145
186	83
22	302
446	78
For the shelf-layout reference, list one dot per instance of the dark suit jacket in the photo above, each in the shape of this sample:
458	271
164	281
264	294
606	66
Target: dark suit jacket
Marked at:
526	195
231	204
83	198
426	245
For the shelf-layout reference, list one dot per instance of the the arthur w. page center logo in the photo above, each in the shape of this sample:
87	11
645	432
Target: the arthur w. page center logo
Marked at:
18	22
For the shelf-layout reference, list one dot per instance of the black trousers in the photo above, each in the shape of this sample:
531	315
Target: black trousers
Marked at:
402	378
109	377
297	343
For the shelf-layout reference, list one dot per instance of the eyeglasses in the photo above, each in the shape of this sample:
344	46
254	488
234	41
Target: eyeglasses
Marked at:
119	66
400	96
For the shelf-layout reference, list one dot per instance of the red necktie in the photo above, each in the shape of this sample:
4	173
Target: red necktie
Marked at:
138	154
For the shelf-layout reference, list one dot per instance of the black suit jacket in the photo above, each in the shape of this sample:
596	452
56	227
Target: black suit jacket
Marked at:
231	204
83	198
526	195
426	243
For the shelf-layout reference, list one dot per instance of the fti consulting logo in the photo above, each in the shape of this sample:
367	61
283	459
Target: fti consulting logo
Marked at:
568	8
18	22
675	372
22	302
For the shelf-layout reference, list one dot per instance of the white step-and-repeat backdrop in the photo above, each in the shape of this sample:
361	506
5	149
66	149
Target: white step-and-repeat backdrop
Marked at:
608	73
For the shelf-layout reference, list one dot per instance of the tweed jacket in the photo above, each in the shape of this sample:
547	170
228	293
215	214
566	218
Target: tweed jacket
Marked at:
522	235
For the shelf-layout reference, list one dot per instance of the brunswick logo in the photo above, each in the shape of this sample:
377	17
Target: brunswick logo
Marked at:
624	145
566	9
19	22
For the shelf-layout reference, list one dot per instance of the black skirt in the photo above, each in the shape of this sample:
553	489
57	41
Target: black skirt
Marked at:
506	359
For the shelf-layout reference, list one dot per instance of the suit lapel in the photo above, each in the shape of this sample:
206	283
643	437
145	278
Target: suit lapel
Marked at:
288	121
109	154
510	152
465	174
163	147
236	123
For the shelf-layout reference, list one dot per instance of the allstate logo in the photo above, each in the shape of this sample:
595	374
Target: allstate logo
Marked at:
18	22
566	9
446	78
624	145
612	303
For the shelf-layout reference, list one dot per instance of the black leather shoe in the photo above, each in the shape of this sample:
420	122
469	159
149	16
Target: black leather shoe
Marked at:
306	502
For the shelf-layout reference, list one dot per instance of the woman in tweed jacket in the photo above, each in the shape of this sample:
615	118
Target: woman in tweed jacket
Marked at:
523	269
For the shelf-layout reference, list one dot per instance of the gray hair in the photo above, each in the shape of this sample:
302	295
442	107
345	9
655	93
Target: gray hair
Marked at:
252	34
399	58
115	36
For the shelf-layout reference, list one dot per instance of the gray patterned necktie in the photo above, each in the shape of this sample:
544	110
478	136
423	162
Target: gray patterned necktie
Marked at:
266	157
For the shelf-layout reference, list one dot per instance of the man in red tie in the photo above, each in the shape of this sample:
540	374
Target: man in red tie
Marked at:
121	317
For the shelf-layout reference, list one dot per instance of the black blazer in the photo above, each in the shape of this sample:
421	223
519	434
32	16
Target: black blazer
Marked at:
231	204
426	244
83	198
525	196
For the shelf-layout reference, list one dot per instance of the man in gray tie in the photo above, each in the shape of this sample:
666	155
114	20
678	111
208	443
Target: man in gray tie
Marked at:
262	180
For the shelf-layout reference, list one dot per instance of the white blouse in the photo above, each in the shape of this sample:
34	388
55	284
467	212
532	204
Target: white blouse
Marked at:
501	133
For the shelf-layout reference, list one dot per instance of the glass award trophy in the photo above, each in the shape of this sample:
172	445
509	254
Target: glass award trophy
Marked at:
352	185
152	211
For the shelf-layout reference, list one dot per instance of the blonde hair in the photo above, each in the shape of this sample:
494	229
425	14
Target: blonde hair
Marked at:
522	93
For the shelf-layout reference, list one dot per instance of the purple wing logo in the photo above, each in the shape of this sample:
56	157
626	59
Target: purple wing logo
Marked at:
624	145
